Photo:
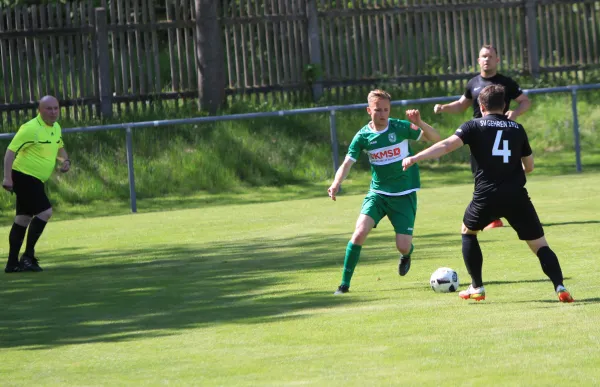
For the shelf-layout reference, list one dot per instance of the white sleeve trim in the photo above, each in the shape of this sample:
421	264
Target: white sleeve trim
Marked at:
420	135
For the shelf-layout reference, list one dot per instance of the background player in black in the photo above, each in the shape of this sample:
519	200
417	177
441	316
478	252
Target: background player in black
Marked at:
502	155
488	64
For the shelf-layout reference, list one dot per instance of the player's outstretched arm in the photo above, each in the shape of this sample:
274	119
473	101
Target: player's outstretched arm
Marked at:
435	151
429	133
340	175
453	107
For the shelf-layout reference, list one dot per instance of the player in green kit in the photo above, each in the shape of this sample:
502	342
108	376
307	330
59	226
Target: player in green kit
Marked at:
393	191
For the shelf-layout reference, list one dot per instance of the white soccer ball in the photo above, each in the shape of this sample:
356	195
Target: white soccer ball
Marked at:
444	280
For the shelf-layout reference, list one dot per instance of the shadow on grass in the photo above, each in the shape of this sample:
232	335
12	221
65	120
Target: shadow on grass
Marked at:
115	295
569	223
110	295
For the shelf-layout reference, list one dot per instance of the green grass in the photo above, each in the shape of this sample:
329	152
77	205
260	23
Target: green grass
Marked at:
233	160
241	294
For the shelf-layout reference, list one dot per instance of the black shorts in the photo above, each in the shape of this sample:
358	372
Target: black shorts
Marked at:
517	209
31	197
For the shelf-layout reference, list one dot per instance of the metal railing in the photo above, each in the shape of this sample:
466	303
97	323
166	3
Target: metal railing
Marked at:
326	109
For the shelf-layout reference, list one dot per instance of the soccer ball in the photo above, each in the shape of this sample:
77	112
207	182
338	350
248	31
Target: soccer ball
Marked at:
444	280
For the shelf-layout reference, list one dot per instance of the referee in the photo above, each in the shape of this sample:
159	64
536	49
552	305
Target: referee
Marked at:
488	63
28	164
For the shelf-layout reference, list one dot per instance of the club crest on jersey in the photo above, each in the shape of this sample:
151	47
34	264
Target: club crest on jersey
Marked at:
392	137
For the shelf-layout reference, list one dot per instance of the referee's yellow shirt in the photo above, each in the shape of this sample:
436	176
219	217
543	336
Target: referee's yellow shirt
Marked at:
36	146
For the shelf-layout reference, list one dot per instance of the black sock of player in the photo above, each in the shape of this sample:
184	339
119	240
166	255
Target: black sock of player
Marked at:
473	258
36	227
550	265
15	240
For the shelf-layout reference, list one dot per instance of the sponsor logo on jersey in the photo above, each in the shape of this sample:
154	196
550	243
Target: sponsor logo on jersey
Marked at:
476	88
373	143
392	137
389	154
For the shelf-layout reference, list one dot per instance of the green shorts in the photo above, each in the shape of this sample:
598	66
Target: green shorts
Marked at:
401	210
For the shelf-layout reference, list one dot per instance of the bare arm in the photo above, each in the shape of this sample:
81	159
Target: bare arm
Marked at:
527	163
453	107
524	105
9	159
435	151
64	158
429	133
340	175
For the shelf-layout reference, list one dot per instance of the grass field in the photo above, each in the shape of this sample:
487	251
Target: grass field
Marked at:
241	294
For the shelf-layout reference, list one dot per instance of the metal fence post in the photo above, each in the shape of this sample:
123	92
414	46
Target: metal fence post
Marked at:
129	146
104	78
334	140
576	129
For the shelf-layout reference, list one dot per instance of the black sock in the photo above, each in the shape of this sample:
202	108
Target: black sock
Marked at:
550	265
15	240
473	258
36	227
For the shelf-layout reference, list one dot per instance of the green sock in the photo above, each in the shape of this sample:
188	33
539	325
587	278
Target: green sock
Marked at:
350	261
412	247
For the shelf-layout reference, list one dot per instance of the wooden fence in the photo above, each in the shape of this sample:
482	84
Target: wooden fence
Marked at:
136	54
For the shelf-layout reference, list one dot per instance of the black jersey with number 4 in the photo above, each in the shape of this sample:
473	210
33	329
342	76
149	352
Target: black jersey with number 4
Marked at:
497	145
476	84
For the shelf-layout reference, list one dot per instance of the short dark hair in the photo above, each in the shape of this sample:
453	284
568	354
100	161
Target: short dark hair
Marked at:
492	97
489	47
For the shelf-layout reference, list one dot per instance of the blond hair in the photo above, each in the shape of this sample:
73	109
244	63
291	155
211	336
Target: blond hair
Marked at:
378	93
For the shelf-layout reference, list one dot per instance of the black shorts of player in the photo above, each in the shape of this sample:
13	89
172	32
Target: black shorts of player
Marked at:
516	208
31	197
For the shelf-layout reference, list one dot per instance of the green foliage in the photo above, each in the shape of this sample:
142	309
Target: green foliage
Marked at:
239	156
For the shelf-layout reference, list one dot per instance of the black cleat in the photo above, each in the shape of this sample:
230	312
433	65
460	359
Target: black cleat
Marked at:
30	263
404	265
13	267
342	289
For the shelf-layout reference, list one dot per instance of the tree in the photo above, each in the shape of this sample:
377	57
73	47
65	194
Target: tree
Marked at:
210	57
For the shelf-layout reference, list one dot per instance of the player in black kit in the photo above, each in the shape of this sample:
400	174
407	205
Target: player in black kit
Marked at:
501	155
488	63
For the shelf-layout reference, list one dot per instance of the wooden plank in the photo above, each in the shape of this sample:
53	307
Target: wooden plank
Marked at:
43	9
179	45
261	53
72	84
297	38
341	49
228	42
79	61
576	40
155	53
148	84
53	52
440	39
505	39
364	43
190	47
131	57
586	33
139	50
4	54
172	43
448	41
14	21
251	43
237	56
271	63
116	54
63	60
31	78
377	47
512	15
396	54
88	85
595	33
334	56
411	40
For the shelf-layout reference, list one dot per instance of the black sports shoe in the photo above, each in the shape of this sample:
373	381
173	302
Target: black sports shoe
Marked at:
342	289
404	265
12	267
29	263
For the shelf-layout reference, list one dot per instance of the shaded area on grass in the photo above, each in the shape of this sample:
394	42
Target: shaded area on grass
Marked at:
111	296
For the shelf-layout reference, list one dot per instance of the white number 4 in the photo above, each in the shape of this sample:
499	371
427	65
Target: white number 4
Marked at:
504	151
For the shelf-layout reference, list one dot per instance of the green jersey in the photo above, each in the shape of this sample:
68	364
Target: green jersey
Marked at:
36	146
386	149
